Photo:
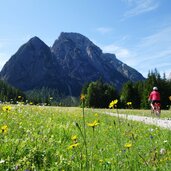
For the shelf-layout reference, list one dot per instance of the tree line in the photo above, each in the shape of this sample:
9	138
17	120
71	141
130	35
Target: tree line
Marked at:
10	94
132	95
42	96
98	94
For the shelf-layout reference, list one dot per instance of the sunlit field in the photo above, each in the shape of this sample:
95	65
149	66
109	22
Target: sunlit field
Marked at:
43	138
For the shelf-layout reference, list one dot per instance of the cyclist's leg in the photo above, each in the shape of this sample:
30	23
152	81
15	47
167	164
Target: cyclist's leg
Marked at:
152	105
157	108
158	111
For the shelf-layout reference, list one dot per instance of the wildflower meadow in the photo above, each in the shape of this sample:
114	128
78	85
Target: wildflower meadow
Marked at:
46	138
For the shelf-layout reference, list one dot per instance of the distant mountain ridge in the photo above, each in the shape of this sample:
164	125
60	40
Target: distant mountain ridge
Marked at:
72	61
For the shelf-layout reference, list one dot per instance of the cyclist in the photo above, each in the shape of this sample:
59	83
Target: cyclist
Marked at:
154	97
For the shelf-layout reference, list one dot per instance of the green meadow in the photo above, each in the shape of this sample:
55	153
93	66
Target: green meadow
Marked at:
34	138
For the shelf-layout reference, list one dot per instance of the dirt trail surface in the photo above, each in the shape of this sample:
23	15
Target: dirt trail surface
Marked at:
163	123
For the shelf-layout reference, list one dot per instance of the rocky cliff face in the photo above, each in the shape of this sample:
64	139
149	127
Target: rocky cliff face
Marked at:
30	66
72	61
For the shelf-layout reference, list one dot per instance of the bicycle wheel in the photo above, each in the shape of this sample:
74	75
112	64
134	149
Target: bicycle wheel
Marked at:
157	111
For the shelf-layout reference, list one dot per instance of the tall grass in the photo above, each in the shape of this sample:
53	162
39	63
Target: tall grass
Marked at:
48	138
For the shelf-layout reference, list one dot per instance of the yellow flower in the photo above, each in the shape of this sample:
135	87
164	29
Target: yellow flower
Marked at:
6	108
73	146
82	97
93	124
96	114
129	103
4	129
113	103
19	97
74	138
101	161
128	145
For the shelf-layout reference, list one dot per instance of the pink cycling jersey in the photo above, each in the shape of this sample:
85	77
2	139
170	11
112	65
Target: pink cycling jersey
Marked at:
154	95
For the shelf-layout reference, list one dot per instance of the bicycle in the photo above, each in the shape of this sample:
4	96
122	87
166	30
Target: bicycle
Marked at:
157	109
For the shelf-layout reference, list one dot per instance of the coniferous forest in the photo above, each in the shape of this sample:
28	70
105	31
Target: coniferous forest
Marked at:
10	94
98	94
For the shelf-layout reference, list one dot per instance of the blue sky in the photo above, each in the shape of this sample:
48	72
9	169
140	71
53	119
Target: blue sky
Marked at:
138	32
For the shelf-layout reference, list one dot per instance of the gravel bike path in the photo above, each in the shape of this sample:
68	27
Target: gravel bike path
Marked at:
163	123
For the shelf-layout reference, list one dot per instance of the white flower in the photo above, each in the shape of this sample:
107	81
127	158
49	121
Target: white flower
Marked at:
162	151
151	129
2	161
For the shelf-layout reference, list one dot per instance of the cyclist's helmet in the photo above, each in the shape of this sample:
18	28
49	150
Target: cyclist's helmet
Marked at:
155	88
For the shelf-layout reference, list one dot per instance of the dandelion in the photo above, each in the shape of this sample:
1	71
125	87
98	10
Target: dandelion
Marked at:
129	103
73	146
93	124
96	115
74	138
128	145
6	108
113	103
101	161
82	97
4	129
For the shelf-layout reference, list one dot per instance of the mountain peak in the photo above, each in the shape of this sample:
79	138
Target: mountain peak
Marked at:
35	38
36	42
72	36
72	61
73	41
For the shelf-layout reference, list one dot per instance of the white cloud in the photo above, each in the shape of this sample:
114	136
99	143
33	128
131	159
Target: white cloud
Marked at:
104	30
160	38
156	46
154	52
122	53
119	51
149	53
138	7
